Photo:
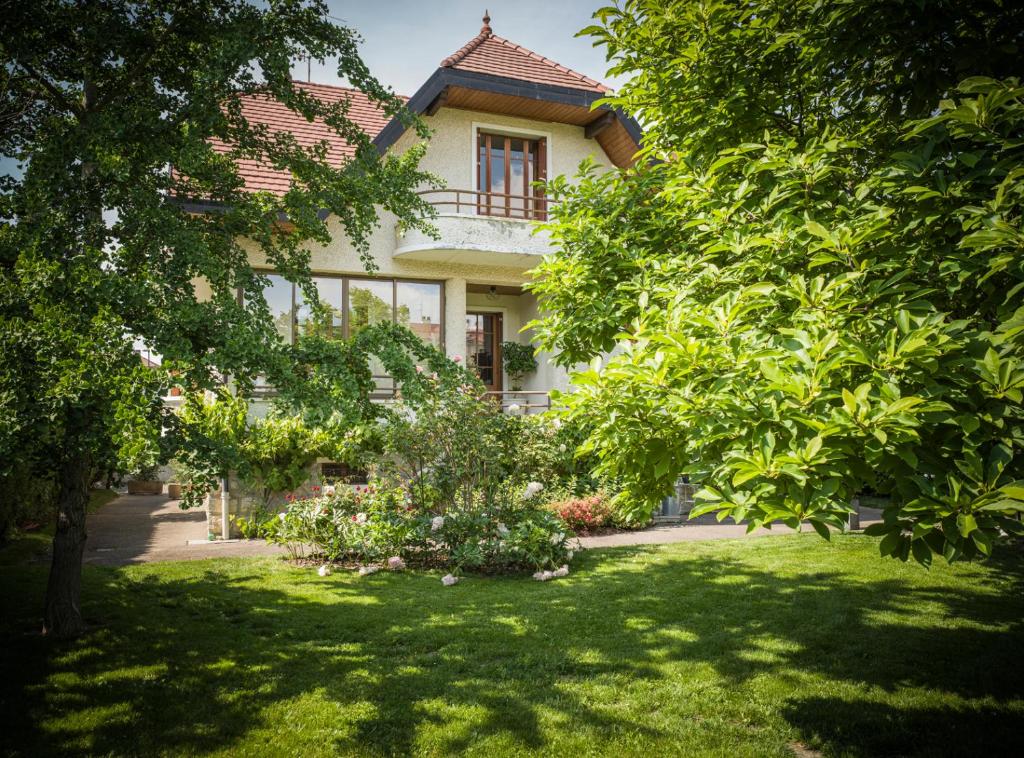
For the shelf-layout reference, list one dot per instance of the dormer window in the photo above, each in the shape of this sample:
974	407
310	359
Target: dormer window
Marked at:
507	166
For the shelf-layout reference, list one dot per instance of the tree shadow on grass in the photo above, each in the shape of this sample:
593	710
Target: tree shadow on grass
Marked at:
191	662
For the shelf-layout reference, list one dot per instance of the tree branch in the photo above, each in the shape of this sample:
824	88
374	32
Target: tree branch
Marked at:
53	89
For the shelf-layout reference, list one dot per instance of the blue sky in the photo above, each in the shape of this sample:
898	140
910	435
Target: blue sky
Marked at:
405	40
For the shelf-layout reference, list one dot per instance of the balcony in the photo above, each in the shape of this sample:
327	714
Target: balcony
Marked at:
480	228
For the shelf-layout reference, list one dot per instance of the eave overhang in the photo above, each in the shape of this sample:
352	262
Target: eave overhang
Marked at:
455	88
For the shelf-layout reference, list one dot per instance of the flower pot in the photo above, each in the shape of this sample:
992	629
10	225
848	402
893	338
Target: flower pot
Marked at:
145	488
174	491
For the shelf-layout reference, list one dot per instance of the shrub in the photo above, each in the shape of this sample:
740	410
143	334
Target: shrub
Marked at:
518	361
377	522
585	514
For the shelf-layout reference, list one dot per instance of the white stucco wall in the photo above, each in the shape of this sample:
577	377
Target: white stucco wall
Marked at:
451	152
451	155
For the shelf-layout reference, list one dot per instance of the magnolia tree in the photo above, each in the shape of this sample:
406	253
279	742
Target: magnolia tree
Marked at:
119	113
814	273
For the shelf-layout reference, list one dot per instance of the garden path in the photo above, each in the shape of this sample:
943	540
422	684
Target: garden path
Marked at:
148	528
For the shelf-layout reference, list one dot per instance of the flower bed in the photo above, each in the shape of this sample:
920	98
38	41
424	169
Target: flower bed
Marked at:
376	523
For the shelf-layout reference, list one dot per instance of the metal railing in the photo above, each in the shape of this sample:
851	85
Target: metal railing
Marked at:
481	203
523	402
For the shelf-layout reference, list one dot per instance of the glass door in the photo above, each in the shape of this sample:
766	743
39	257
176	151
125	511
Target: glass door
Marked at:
483	347
507	167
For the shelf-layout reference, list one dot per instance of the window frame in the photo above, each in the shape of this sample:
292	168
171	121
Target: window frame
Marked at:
345	280
538	208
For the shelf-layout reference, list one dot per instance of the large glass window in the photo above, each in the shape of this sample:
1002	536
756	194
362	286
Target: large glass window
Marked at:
418	307
352	303
328	323
279	299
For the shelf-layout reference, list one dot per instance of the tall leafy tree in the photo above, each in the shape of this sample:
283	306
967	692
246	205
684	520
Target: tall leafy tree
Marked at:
120	113
812	278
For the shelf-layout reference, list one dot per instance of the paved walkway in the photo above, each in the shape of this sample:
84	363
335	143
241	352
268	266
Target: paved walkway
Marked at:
147	528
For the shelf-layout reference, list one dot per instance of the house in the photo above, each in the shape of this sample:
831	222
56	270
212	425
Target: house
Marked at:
502	117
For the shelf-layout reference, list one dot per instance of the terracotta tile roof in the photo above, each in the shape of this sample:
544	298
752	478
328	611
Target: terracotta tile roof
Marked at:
488	53
264	110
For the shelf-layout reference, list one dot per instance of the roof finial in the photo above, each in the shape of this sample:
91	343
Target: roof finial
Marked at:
486	28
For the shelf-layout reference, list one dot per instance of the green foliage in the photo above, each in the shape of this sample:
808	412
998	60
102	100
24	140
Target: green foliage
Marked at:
99	246
518	361
270	455
808	310
371	524
323	409
448	445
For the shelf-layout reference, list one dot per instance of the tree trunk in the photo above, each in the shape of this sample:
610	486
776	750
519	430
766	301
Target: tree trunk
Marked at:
62	616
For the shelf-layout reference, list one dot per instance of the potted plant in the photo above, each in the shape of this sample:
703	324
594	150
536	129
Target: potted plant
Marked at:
518	361
144	481
179	478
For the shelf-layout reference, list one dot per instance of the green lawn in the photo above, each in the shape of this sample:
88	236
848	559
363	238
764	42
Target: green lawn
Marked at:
761	647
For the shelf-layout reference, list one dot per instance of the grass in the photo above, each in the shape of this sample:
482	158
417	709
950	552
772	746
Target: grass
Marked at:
763	647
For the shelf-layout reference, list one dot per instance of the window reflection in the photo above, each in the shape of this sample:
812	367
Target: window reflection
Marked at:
350	304
327	322
418	307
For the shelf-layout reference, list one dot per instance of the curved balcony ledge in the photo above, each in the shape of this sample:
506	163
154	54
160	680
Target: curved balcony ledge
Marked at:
476	240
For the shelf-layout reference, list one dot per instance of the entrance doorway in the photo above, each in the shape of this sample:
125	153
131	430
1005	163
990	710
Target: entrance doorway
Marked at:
483	347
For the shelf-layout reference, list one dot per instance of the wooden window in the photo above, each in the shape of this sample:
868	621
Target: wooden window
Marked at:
507	167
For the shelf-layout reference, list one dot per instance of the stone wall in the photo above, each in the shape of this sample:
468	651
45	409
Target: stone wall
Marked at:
243	502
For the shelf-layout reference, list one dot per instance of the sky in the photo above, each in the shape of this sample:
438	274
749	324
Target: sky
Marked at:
405	40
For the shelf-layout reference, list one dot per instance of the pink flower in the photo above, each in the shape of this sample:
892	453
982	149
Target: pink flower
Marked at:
419	369
457	358
395	563
449	579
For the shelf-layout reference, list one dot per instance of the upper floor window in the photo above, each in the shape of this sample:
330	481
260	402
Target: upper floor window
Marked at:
507	166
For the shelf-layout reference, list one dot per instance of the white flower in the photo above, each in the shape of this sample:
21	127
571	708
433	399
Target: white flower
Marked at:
282	515
329	489
556	538
557	423
564	571
448	580
561	448
367	570
543	576
514	408
503	530
569	555
381	421
324	570
436	523
360	518
395	563
532	489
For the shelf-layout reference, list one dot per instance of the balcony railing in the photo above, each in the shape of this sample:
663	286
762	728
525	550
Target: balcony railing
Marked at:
480	203
523	402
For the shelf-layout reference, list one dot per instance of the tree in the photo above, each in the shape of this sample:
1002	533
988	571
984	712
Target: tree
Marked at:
813	274
120	113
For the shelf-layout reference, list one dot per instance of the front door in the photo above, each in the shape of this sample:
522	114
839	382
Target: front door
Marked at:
483	347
